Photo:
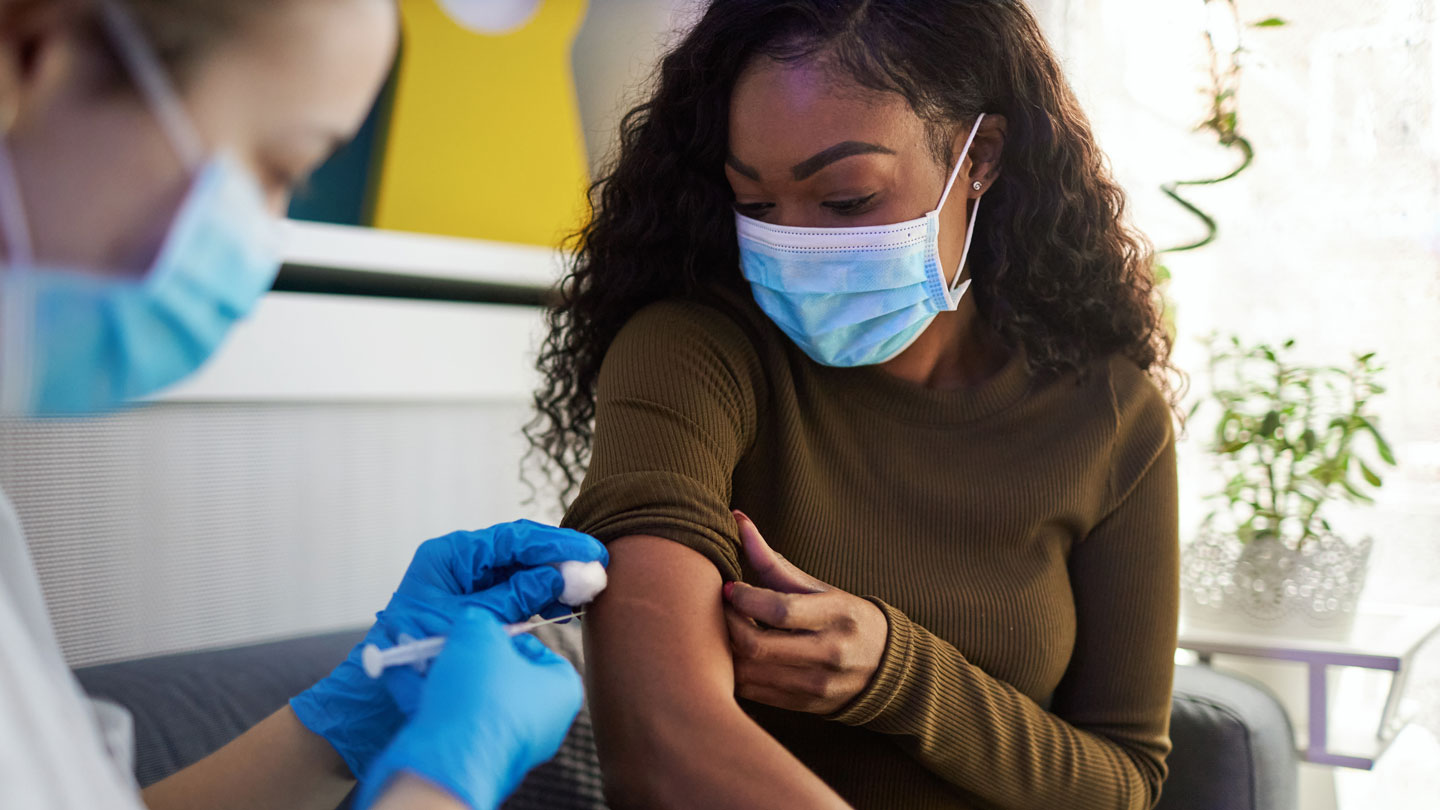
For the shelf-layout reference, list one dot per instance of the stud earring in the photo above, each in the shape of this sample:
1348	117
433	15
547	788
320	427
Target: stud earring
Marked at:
977	185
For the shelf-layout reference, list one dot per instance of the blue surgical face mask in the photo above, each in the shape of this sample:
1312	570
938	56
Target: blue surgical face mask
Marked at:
77	341
854	296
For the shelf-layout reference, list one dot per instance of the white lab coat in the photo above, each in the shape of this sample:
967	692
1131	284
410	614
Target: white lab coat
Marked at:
58	750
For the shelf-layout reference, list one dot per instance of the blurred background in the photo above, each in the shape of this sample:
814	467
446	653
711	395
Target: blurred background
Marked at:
398	415
1330	238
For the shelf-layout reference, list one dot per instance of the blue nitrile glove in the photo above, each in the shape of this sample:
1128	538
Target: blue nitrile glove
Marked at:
354	712
489	709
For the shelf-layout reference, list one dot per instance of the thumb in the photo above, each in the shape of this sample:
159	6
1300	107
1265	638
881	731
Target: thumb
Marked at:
772	570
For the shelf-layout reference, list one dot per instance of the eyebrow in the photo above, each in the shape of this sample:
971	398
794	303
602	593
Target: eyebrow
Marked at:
820	160
839	151
745	170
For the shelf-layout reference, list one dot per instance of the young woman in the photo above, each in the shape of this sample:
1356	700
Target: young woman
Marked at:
148	147
860	271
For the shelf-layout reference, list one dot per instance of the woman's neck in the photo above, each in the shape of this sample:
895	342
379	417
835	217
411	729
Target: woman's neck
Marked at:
957	350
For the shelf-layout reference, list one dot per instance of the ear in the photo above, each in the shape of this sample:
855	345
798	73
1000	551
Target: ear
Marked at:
30	31
985	153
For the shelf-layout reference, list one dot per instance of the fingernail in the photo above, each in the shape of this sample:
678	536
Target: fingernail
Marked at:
728	588
741	516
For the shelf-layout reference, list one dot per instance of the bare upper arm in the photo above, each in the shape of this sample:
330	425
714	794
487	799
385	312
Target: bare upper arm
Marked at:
661	687
655	640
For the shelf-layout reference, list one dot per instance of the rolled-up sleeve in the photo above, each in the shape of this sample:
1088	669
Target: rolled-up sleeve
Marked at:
675	411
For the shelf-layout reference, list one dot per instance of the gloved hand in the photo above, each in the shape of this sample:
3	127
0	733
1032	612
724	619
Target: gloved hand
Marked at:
504	569
489	709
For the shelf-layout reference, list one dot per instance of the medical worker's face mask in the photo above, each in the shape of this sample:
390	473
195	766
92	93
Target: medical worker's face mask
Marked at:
83	340
854	296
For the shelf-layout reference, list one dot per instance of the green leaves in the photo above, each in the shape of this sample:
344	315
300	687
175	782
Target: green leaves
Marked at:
1381	446
1269	22
1286	437
1307	443
1270	425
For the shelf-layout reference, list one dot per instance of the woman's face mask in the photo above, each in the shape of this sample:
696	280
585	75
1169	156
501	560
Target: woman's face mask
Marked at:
83	340
855	296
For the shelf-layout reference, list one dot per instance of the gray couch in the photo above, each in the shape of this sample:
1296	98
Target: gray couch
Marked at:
1234	748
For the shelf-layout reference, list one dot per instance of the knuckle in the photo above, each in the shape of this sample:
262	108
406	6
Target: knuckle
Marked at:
745	645
740	647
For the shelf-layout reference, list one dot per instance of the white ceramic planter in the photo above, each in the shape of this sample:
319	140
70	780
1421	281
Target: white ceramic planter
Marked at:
1267	587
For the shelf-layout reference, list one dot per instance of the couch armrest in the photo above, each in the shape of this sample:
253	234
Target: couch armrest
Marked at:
1234	746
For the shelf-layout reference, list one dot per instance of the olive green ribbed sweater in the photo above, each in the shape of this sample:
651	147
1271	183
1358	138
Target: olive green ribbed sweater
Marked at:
1021	538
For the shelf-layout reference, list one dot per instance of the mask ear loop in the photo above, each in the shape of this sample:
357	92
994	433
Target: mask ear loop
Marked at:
956	289
19	250
154	83
15	292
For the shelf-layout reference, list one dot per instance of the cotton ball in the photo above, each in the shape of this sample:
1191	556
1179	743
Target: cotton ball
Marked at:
583	582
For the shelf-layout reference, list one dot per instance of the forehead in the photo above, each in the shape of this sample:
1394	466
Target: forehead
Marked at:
783	112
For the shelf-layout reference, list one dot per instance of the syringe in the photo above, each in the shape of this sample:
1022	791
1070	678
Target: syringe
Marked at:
420	652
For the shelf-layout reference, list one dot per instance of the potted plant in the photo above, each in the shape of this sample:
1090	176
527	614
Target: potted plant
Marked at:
1291	441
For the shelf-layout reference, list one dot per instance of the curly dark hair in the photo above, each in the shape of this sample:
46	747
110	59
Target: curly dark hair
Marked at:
1055	266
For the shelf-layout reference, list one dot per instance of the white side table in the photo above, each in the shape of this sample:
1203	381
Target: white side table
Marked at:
1383	639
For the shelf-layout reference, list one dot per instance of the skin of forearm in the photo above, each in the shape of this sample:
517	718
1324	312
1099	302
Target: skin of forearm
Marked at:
278	763
661	689
411	793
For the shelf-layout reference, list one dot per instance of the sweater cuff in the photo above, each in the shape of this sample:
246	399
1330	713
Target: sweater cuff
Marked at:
889	677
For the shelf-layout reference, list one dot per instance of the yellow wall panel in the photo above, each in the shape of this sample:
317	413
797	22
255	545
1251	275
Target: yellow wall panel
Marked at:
485	138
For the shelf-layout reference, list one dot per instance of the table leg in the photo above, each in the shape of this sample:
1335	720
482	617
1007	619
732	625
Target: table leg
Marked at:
1319	711
1389	719
1316	751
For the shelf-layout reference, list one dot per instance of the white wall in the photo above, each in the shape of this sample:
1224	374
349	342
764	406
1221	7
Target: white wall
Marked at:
615	54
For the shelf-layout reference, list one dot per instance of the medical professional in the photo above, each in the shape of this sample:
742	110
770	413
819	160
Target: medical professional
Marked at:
148	148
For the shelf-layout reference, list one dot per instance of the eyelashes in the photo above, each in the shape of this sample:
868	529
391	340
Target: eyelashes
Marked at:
842	207
849	206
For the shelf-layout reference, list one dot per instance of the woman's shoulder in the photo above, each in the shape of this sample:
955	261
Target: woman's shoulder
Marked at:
1112	390
1143	420
687	343
684	330
1135	395
680	320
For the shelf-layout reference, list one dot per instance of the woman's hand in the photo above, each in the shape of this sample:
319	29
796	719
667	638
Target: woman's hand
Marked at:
798	643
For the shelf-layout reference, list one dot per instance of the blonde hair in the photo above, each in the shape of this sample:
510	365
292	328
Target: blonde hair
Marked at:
183	32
